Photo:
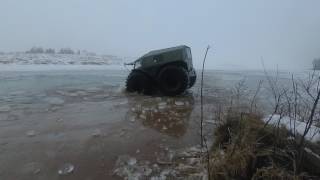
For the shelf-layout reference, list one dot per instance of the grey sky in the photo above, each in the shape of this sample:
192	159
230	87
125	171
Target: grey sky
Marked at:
284	32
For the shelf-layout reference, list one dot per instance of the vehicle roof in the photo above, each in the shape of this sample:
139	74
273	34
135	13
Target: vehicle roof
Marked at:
155	52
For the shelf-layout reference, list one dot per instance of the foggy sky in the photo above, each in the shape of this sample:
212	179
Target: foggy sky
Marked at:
283	32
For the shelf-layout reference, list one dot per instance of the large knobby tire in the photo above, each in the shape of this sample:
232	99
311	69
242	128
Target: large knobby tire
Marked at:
192	81
138	82
173	80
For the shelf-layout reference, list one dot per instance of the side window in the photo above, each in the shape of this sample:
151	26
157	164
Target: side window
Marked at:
188	53
157	58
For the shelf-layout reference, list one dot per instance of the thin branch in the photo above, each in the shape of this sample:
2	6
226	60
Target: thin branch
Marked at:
256	94
201	96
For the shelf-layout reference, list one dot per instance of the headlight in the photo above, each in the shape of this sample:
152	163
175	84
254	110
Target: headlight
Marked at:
138	64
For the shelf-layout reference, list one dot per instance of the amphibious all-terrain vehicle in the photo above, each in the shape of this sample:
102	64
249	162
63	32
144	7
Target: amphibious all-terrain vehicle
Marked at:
168	70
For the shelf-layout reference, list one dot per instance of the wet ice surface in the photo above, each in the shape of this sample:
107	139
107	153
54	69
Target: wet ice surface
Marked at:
82	125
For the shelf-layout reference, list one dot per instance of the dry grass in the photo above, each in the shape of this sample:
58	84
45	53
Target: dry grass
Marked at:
274	173
245	149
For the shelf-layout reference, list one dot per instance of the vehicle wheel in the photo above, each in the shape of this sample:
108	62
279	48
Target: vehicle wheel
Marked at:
173	80
138	82
192	81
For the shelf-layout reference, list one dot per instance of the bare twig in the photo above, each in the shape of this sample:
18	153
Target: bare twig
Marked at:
201	96
255	95
203	139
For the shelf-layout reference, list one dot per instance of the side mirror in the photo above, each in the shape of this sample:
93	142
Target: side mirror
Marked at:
130	64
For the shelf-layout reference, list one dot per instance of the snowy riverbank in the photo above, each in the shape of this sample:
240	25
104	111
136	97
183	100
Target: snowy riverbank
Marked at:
50	67
59	59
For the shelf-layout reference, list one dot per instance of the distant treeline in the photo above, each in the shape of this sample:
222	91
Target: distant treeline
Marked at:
40	50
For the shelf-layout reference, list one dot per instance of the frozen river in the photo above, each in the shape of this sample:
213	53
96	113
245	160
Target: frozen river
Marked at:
75	124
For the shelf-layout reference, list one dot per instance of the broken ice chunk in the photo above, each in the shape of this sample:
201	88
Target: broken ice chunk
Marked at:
142	116
133	119
96	133
211	121
93	89
66	169
132	161
31	133
54	100
162	105
123	102
179	103
5	108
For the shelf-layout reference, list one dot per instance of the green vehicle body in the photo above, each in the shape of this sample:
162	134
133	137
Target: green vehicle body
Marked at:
152	62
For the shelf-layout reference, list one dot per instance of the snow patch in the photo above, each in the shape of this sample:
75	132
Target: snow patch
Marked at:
313	135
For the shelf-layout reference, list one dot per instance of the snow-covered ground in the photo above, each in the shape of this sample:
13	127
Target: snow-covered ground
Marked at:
52	67
59	59
295	126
